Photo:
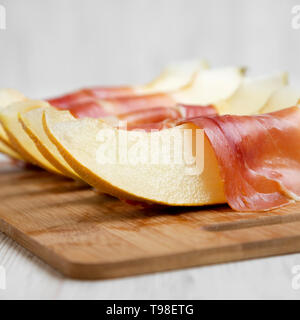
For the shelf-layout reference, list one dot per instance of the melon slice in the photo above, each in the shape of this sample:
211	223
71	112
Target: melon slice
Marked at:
8	96
252	95
210	86
283	98
3	137
173	77
18	137
33	125
165	183
8	151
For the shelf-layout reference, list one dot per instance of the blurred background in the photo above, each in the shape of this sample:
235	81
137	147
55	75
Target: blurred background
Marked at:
53	46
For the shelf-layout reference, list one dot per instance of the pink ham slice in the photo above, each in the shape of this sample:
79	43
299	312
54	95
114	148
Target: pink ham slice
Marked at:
258	156
192	111
88	95
139	112
134	103
163	117
88	109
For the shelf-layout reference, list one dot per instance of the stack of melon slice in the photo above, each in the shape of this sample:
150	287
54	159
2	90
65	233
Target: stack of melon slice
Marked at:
36	132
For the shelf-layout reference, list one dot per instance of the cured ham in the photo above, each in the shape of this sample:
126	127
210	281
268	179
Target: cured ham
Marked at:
90	95
191	111
88	109
164	117
149	112
258	156
96	108
153	115
133	103
140	114
161	125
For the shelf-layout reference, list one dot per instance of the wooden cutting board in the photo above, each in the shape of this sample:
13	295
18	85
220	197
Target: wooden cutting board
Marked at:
86	235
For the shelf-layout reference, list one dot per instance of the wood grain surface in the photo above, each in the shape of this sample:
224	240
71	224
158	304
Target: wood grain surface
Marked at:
90	236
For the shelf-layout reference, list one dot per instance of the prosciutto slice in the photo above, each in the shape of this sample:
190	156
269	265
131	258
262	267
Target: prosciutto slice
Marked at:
153	115
134	103
93	107
137	112
121	102
88	109
163	117
192	111
90	95
148	127
258	157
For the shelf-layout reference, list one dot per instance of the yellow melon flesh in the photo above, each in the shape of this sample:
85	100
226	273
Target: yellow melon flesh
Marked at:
3	137
283	98
173	77
252	95
8	151
19	138
166	184
8	96
210	86
33	125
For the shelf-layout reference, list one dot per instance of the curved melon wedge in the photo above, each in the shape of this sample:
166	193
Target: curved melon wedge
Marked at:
210	86
32	122
8	151
283	98
3	137
252	95
19	138
166	184
8	96
173	77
